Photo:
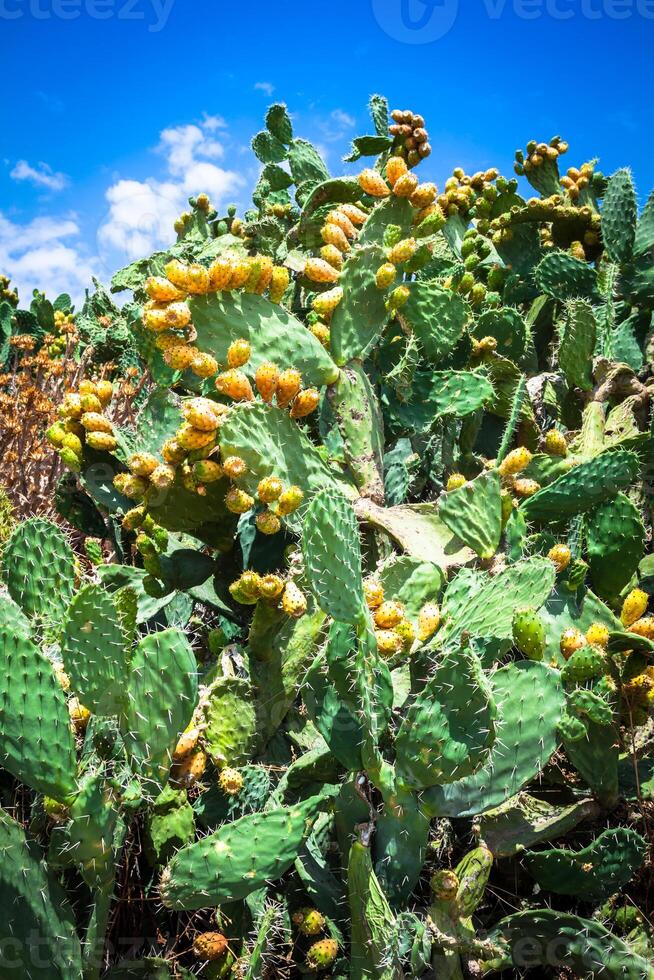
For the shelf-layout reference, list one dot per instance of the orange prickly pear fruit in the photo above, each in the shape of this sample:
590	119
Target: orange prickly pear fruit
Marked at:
333	235
104	390
515	461
317	270
266	269
203	414
238	501
240	273
172	452
424	196
525	488
372	182
238	353
288	385
597	635
234	384
220	273
326	303
289	500
354	213
177	273
560	555
406	631
87	387
164	341
95	422
385	276
373	592
634	607
279	281
204	365
269	489
197	279
209	946
186	743
321	332
163	477
131	486
342	221
267	522
162	290
234	467
388	641
294	602
271	586
571	641
142	464
265	379
429	619
406	186
230	781
190	438
388	614
395	168
190	770
332	255
305	403
643	627
180	357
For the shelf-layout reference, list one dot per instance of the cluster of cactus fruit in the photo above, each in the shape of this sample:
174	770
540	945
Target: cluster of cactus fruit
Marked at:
367	686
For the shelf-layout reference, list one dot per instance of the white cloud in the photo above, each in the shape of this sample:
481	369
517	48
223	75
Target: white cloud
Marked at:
45	253
142	212
336	125
42	175
267	87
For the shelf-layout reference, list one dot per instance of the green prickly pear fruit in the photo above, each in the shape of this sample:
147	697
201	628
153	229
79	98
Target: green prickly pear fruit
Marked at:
246	589
322	954
289	501
398	297
585	664
131	486
133	518
70	459
93	549
444	884
310	922
529	634
238	501
56	434
154	588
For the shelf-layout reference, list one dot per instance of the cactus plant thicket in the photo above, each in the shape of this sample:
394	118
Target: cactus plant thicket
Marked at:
377	631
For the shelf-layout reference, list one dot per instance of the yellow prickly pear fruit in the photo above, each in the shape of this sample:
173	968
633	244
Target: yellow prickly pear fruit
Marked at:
130	486
241	268
172	452
204	365
597	635
56	434
220	273
385	276
250	283
525	488
486	345
322	954
190	770
234	467
372	182
176	272
74	426
306	402
91	403
95	422
264	278
247	588
267	522
388	614
207	471
271	586
142	464
445	885
230	781
515	461
279	282
163	477
186	743
105	390
162	290
133	518
424	196
398	297
289	501
102	441
87	387
555	443
294	602
456	481
238	501
571	641
269	489
388	641
395	168
164	341
70	459
403	251
406	631
288	385
234	384
321	332
331	234
355	214
326	303
180	357
209	946
197	279
265	379
406	186
373	592
634	607
341	220
190	438
158	317
238	353
429	619
79	715
74	443
317	270
643	627
332	255
203	414
310	922
560	555
71	406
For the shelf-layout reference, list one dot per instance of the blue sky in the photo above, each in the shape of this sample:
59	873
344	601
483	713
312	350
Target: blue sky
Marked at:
115	110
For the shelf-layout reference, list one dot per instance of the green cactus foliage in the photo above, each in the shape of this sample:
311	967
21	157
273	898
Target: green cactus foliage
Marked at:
578	337
372	921
583	487
474	513
619	213
332	555
38	568
615	540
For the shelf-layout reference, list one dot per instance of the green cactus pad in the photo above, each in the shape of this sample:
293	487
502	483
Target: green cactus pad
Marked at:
229	712
525	820
565	609
332	555
400	846
619	213
238	858
90	832
13	618
38	568
33	906
615	541
275	334
645	228
437	742
583	487
162	694
437	317
169	826
529	700
372	921
95	652
563	277
459	392
36	741
214	807
412	582
595	757
509	329
474	513
358	417
578	336
360	317
418	531
594	872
